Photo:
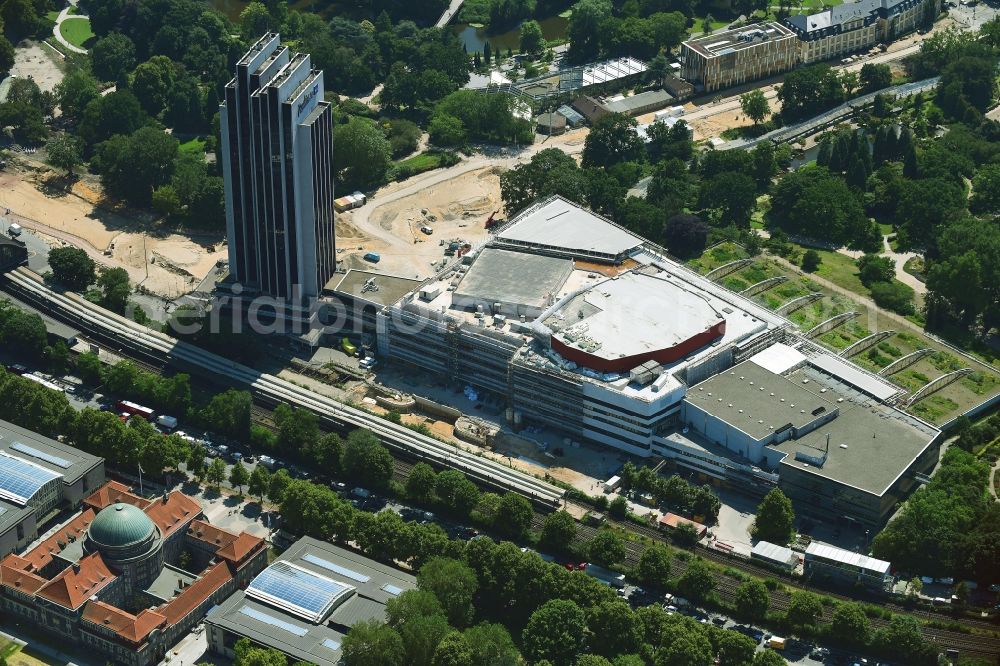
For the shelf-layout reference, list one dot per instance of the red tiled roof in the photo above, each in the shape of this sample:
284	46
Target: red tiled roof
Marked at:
78	582
673	521
172	512
13	575
242	546
177	608
41	555
113	492
208	533
133	628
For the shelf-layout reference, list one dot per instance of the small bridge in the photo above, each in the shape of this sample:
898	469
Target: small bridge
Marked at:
449	13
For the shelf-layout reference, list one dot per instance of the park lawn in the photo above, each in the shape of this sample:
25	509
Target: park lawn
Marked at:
15	655
51	17
195	145
77	31
716	24
840	270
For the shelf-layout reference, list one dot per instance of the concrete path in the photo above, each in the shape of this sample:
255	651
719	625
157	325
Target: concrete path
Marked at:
992	485
448	13
63	15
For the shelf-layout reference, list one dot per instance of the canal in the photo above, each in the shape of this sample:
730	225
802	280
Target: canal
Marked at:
553	27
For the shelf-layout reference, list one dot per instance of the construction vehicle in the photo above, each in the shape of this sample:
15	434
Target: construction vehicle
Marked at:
491	221
348	348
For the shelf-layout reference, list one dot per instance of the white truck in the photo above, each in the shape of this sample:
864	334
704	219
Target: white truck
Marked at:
166	422
14	230
606	576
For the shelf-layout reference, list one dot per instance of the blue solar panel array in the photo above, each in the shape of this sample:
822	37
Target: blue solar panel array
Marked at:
273	621
336	568
41	455
296	590
20	480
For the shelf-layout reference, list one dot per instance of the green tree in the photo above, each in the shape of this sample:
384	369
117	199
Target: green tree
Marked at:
986	190
682	647
752	600
72	267
89	368
733	195
550	171
755	106
259	483
768	658
298	429
280	483
366	460
585	28
238	476
196	461
804	609
607	548
453	650
612	139
216	472
654	565
558	532
371	643
875	77
131	167
811	261
809	90
775	517
255	20
455	493
556	632
152	81
6	54
904	639
453	583
420	484
514	515
247	654
735	649
618	508
447	131
613	628
77	89
112	57
492	645
697	581
850	624
532	40
365	153
894	296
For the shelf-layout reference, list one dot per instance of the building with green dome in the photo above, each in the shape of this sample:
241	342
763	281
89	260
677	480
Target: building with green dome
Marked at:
129	542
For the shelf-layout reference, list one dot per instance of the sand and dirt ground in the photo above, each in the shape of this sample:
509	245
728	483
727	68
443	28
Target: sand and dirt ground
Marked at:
113	238
38	61
455	209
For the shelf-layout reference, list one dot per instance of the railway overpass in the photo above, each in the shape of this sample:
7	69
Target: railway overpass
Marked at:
160	348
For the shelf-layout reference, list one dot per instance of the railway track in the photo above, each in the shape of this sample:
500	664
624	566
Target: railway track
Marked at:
155	347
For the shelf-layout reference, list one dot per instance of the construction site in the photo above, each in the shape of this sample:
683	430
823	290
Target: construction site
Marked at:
566	332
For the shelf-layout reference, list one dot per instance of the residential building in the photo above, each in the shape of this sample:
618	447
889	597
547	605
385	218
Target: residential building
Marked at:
852	27
731	57
111	579
278	167
305	602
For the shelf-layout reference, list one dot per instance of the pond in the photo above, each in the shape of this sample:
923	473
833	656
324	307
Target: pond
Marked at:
553	27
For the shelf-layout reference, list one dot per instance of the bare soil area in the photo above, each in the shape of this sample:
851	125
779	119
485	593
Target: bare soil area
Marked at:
34	60
113	237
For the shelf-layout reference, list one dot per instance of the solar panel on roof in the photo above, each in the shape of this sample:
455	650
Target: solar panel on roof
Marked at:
330	643
296	590
336	568
41	455
260	616
20	479
392	589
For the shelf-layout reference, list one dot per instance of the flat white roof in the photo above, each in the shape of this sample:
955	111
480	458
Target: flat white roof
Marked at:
558	223
627	315
773	552
851	374
827	552
779	358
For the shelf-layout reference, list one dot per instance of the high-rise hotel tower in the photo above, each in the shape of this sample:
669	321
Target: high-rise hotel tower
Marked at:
277	161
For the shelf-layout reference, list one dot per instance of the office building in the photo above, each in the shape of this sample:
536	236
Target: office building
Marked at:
731	57
110	579
278	168
305	602
39	477
576	325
